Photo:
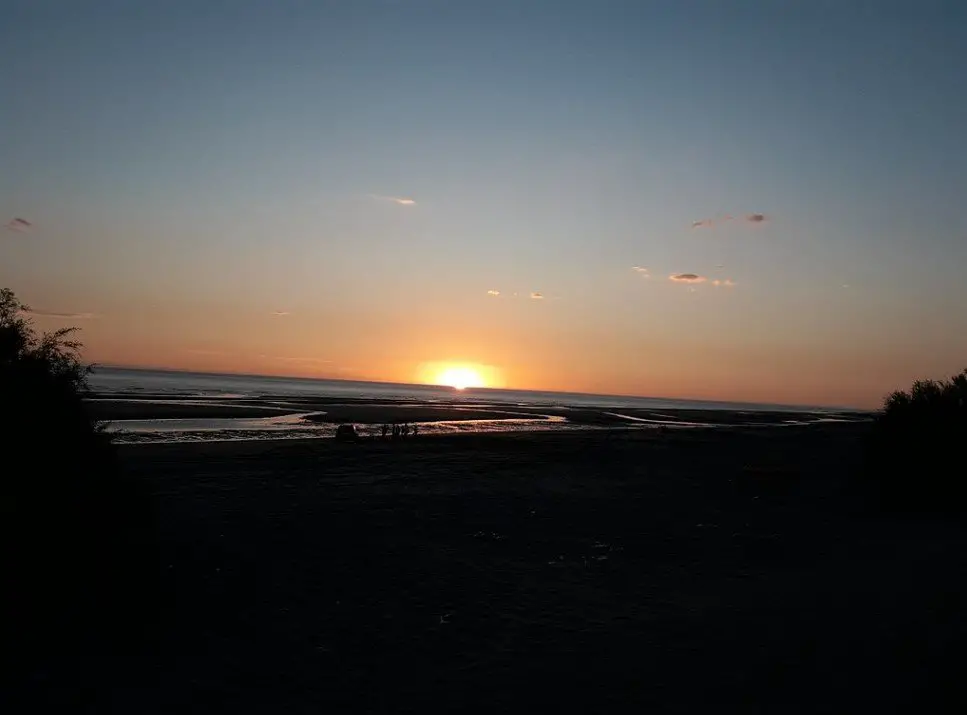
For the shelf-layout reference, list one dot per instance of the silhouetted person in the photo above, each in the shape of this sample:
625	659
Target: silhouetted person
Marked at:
385	429
414	430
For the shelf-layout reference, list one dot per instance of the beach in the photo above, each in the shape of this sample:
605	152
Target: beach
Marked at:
593	570
145	418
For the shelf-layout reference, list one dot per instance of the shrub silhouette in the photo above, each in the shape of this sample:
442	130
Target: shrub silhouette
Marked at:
77	557
915	451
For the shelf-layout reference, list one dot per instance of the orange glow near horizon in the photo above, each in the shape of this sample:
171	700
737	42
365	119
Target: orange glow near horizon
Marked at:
505	351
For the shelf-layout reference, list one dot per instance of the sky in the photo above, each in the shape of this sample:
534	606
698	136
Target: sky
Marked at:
757	201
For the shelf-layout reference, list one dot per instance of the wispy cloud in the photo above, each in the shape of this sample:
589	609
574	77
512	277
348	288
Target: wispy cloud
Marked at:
642	271
57	314
535	295
727	283
203	351
281	312
753	218
709	222
20	225
400	200
687	278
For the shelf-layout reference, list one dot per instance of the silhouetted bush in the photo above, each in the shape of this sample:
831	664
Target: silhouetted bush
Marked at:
916	456
77	554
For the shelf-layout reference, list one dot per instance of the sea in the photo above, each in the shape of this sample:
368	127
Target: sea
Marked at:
196	388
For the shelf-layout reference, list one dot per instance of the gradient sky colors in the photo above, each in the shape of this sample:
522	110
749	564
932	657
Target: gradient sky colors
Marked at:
729	200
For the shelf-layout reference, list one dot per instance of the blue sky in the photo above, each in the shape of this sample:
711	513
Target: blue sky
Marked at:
191	168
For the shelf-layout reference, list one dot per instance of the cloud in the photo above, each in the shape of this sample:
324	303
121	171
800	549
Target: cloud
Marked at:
709	222
642	271
537	296
20	225
494	293
754	218
56	314
687	278
727	283
281	312
400	200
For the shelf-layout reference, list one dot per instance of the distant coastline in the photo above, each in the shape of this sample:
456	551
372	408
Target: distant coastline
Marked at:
586	398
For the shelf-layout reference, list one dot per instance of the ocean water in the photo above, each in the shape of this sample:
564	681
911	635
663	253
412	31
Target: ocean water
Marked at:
221	389
201	385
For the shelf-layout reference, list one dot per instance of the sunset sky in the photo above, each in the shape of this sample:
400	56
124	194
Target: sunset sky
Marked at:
378	190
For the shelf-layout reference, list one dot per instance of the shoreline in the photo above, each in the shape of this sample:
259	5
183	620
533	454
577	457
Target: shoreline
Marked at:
108	407
155	418
368	443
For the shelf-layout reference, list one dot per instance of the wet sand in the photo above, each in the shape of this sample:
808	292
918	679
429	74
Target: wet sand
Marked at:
330	411
377	412
387	413
587	572
107	409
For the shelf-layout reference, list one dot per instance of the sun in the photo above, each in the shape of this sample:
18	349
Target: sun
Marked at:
459	375
459	378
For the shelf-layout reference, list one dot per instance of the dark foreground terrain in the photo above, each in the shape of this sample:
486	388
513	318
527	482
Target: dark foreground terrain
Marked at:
637	572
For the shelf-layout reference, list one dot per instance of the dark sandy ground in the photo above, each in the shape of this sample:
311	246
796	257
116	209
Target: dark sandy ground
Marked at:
588	572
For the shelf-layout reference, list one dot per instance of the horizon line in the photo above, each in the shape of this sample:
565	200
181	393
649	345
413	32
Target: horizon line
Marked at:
841	408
